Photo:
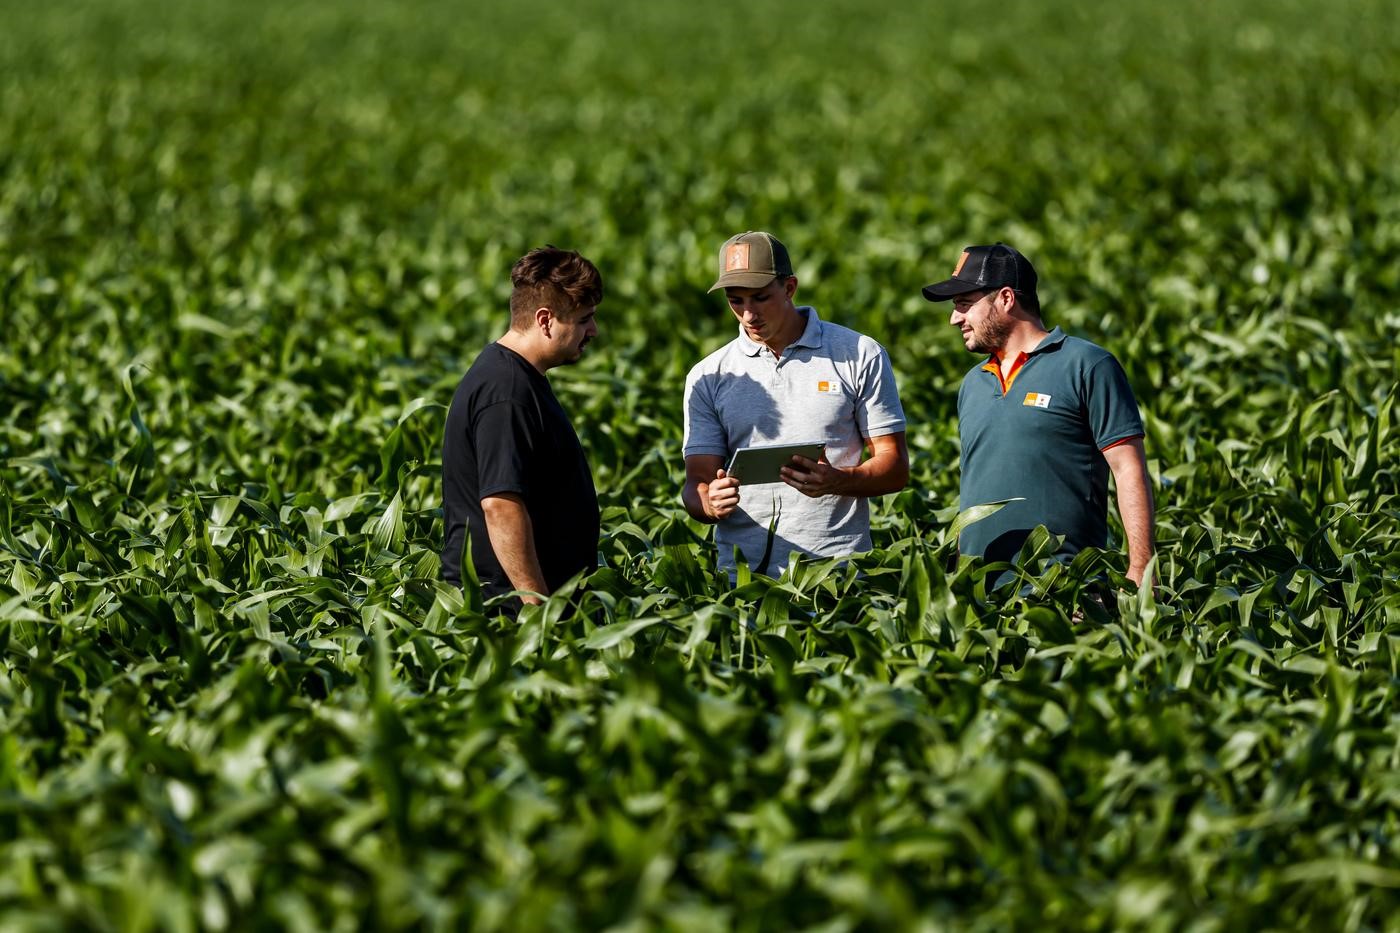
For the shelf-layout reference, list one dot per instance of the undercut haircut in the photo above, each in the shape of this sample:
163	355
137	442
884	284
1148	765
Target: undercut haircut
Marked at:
558	279
1028	300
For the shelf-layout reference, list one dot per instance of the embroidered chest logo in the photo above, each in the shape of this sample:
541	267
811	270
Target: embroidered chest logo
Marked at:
1037	400
736	257
827	388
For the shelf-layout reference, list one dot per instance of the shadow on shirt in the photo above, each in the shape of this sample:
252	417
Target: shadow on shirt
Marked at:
767	562
743	407
1007	545
748	416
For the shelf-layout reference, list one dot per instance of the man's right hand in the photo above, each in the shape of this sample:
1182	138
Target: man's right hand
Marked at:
722	496
709	494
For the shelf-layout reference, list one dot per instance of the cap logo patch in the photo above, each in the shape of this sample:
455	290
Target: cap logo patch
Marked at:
962	261
736	257
1037	400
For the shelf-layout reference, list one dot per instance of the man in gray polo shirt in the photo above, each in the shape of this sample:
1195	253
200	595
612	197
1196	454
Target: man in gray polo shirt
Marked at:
789	377
1043	419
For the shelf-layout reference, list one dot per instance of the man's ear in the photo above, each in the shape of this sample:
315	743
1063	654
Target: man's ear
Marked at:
544	319
790	286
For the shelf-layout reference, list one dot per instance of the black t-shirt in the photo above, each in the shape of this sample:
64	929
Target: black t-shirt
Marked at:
506	433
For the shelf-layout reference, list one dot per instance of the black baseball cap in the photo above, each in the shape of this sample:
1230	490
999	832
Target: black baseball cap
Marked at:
985	267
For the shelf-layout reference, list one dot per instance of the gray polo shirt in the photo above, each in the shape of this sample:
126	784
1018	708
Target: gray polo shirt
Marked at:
833	385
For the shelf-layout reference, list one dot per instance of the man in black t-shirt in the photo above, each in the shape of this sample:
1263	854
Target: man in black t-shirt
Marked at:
514	478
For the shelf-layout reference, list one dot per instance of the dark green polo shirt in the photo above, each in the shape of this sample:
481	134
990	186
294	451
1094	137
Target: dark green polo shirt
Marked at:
1041	437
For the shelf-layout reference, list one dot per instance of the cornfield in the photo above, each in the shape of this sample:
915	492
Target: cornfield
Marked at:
246	252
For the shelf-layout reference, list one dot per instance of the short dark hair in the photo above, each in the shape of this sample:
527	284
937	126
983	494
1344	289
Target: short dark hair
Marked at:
1028	300
549	277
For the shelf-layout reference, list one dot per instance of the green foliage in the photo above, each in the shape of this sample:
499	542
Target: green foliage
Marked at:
246	251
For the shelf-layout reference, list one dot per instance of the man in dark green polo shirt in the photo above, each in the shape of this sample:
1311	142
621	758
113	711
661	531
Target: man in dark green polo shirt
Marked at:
1042	419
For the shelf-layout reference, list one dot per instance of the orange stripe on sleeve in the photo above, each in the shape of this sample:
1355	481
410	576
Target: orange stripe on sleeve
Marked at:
1120	441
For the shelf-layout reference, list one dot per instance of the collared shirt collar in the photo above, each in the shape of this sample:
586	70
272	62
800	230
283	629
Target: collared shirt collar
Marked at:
1052	339
810	338
993	364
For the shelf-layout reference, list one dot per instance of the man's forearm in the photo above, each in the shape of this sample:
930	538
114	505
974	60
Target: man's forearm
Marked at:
878	476
1135	505
512	537
886	471
1139	525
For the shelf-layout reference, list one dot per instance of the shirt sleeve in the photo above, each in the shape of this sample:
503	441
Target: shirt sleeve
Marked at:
704	434
505	440
878	411
1112	409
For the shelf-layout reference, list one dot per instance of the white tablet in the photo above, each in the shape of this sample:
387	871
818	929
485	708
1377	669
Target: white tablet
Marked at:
757	465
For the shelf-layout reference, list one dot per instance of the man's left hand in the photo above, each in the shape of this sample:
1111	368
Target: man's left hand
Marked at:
814	478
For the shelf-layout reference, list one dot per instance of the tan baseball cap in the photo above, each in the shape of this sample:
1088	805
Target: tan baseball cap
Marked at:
752	260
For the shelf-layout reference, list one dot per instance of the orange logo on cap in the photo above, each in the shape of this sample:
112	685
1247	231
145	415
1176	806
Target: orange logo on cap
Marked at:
962	261
736	257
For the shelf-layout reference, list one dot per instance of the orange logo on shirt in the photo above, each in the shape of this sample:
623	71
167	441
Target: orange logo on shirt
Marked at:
1037	400
826	386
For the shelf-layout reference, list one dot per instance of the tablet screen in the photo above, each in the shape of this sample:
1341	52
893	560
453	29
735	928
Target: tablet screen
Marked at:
757	465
